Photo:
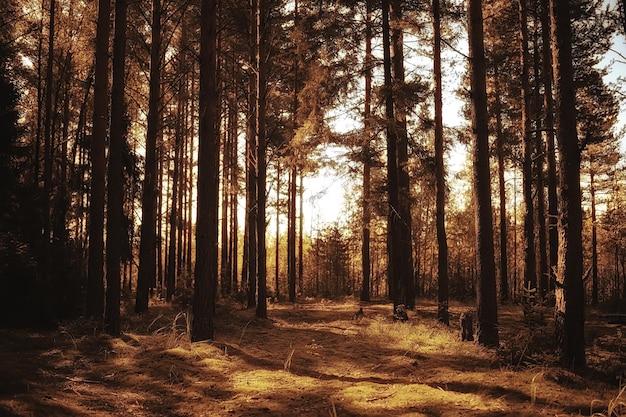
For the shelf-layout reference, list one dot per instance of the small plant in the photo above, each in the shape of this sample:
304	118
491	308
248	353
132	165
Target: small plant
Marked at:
333	411
617	406
176	332
287	364
534	387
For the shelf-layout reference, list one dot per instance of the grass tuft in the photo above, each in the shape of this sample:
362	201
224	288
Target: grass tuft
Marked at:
534	387
287	364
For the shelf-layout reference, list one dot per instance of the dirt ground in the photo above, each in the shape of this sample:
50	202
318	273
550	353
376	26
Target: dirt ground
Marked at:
308	359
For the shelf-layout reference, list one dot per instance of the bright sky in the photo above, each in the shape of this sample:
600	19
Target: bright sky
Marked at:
327	193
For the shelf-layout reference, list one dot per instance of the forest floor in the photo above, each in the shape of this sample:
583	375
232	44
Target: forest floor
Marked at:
308	359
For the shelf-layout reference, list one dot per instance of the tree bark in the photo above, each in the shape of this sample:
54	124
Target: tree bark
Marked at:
206	271
115	196
487	326
570	295
530	270
440	175
291	234
262	48
170	276
367	158
542	249
405	242
594	233
548	104
148	245
95	277
504	270
250	255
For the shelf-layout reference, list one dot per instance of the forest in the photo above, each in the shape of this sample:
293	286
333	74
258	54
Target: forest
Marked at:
157	248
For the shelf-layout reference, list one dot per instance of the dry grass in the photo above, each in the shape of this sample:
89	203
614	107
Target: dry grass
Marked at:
309	359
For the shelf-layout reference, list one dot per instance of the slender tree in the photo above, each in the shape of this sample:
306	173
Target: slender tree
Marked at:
206	272
367	158
115	175
95	277
440	175
550	150
404	245
148	246
487	326
262	53
500	137
530	278
570	295
170	276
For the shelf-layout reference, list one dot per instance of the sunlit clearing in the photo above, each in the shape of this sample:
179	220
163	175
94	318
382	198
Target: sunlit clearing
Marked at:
367	397
268	380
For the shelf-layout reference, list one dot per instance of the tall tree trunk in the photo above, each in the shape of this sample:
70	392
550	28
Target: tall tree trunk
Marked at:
162	185
49	147
440	176
393	234
594	233
530	270
234	203
570	295
170	276
190	176
277	247
262	48
95	277
542	250
206	272
548	104
250	256
301	235
148	245
367	158
115	190
293	174
40	101
487	326
291	234
504	270
405	242
224	264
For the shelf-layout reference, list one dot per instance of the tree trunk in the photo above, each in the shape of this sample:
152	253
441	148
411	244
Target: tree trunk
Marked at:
367	158
115	196
291	234
224	246
570	295
504	270
262	48
170	276
234	202
251	202
206	272
148	245
542	250
548	103
594	234
487	326
95	277
393	235
530	270
405	242
440	176
277	247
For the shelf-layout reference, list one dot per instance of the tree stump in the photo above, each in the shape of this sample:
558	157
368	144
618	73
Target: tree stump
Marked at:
467	328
